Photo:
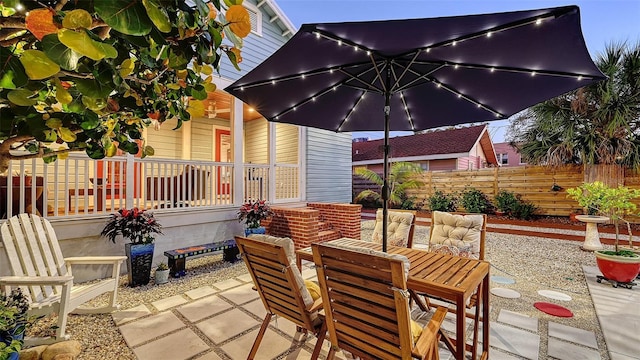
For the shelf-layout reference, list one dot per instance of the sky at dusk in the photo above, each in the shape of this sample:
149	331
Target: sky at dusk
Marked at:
603	21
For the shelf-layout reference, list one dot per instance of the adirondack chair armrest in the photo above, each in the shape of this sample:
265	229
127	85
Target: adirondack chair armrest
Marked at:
94	260
430	331
36	280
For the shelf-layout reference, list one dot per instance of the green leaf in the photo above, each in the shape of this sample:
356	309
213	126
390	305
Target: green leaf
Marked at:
13	73
217	36
202	7
82	43
148	151
177	60
158	15
199	92
109	51
126	16
232	58
53	123
90	121
59	52
95	88
21	97
76	19
94	104
37	65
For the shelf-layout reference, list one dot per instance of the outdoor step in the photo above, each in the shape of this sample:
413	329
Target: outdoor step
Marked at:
328	235
324	226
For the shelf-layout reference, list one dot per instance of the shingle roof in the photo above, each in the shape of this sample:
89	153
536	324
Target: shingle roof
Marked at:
450	141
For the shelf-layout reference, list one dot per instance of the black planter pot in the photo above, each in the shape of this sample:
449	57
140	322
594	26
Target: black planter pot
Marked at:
139	260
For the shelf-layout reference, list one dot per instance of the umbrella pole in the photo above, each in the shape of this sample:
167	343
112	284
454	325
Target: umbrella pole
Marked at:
385	172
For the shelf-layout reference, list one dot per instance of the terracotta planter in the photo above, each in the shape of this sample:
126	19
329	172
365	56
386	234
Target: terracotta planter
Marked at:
618	268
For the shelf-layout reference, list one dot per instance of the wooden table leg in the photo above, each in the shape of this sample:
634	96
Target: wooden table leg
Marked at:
485	317
461	325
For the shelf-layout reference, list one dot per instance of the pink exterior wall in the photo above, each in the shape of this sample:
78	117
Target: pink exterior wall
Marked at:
513	157
445	164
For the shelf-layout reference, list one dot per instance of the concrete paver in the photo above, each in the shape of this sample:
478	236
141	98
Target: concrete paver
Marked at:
123	316
514	340
256	308
241	294
572	334
227	284
203	308
563	350
272	344
165	348
619	315
164	304
226	325
518	320
200	292
138	332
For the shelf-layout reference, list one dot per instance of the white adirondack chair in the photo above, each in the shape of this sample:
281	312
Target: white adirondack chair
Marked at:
39	268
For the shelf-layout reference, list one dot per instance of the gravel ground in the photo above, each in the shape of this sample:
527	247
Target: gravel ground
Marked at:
535	264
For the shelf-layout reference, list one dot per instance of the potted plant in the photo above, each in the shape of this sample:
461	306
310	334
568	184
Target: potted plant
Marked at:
137	226
13	323
620	265
251	213
162	273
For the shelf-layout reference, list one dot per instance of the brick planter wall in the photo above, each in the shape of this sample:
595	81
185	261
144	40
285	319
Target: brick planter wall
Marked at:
302	225
345	218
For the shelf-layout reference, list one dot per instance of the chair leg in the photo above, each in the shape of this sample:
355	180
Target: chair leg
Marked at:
256	343
332	353
322	333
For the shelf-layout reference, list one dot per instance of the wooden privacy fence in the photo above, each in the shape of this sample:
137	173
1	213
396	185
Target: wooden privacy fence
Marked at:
533	183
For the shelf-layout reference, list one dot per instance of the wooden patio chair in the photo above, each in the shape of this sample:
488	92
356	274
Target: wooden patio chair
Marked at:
366	304
38	267
458	234
400	227
272	264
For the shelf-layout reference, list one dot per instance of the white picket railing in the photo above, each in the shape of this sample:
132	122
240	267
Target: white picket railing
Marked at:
80	186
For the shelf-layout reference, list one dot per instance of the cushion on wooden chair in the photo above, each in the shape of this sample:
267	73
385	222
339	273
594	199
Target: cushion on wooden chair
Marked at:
287	245
461	231
398	228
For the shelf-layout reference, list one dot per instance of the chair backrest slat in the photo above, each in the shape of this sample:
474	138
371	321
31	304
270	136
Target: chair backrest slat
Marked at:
366	306
33	250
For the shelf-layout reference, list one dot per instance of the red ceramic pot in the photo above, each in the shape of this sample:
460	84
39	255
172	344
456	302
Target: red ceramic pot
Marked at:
618	268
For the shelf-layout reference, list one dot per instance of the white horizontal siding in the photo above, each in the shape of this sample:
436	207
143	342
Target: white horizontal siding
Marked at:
256	142
328	172
166	142
287	144
202	139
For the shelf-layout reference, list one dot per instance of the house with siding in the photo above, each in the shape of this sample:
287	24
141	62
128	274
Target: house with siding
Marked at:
200	174
463	148
508	155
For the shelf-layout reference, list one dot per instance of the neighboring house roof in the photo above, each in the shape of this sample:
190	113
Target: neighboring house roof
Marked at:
439	144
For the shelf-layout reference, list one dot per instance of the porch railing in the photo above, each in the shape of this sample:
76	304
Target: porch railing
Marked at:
80	186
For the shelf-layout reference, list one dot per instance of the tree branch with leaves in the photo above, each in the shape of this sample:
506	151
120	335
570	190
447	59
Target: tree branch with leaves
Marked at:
91	75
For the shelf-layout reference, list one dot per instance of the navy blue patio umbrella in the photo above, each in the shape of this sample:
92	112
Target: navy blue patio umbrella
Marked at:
419	74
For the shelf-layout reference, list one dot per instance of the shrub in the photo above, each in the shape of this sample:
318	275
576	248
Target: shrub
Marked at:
475	201
440	201
506	201
369	201
524	210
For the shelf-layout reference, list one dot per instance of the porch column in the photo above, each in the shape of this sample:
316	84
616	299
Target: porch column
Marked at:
237	126
129	179
273	180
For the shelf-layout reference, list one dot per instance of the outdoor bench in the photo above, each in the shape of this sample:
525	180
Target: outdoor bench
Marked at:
178	257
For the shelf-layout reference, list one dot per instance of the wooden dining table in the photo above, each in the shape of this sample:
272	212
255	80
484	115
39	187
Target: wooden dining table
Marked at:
450	278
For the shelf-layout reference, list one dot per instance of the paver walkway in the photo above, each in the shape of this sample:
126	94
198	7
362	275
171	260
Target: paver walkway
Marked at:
221	322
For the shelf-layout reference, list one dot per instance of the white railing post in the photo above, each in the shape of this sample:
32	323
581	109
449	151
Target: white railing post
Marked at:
130	188
237	188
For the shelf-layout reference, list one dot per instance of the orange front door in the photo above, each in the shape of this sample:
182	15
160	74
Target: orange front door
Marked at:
223	154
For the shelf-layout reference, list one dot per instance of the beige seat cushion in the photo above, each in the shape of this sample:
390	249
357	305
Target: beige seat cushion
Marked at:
461	231
287	245
398	228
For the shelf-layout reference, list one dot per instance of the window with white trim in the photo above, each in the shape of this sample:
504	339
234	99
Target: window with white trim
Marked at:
503	159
